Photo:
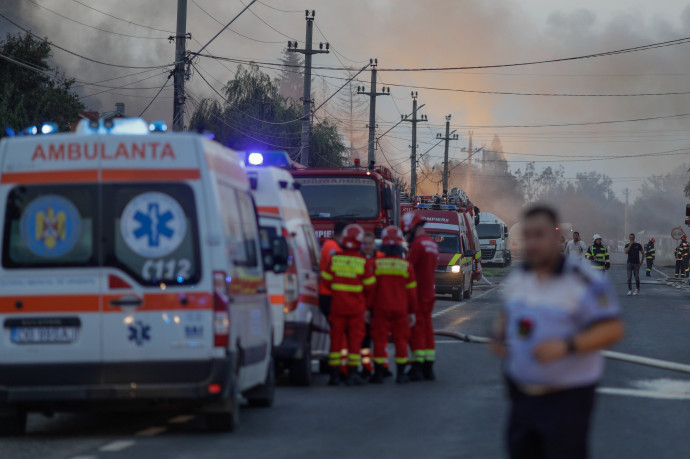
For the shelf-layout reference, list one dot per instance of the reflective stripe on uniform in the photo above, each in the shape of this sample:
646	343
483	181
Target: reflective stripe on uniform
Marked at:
326	276
430	355
347	288
353	360
412	284
419	356
346	266
369	281
392	272
379	360
401	360
334	359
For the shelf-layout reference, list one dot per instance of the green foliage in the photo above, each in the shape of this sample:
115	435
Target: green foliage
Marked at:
29	97
255	115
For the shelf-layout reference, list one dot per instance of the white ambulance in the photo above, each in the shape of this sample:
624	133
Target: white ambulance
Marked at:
294	294
132	273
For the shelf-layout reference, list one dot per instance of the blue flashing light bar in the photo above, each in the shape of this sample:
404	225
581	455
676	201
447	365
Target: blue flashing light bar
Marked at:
268	158
437	207
158	126
49	128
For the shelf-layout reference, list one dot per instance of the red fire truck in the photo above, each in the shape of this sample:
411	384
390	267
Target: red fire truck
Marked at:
356	194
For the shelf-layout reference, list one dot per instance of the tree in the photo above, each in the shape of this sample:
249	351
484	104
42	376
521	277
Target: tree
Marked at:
291	81
255	115
29	97
540	185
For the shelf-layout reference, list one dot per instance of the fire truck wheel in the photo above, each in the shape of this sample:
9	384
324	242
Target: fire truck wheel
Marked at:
468	293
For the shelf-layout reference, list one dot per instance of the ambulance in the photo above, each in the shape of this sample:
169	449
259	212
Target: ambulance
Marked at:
132	275
454	270
300	328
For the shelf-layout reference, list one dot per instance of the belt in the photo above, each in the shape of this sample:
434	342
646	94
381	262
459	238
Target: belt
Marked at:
536	390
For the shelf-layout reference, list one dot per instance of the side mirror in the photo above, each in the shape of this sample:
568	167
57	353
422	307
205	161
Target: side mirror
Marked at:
470	253
476	219
505	232
387	199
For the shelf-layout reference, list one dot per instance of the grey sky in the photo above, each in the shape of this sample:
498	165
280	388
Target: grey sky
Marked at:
412	33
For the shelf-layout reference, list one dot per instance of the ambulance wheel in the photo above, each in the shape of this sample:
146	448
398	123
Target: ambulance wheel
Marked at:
300	370
263	395
227	416
12	423
468	293
457	295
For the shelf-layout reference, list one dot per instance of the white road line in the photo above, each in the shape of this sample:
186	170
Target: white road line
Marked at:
487	292
117	445
151	431
450	341
644	393
448	309
181	419
662	273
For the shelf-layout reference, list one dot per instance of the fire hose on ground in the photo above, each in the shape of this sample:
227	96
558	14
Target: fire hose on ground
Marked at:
630	358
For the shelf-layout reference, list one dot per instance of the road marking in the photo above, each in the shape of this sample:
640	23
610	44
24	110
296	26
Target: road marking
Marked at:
457	305
181	419
117	445
450	341
644	393
662	273
151	431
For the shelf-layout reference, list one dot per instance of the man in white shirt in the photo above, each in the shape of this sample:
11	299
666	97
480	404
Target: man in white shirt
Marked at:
576	247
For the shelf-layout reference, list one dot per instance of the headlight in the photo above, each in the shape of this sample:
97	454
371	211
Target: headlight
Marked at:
455	269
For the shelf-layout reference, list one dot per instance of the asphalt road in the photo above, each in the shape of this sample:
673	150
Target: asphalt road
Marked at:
642	412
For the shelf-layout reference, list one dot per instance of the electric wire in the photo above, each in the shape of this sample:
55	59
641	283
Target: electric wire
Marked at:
232	30
121	19
156	96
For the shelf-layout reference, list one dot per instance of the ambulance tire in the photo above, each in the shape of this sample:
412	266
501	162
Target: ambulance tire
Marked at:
468	293
264	395
227	420
12	424
300	369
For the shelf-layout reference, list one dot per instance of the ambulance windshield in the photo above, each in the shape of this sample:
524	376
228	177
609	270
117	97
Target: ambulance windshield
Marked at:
447	242
489	231
340	197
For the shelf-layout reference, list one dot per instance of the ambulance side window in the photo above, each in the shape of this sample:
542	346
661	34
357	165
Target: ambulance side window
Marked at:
50	226
250	230
232	225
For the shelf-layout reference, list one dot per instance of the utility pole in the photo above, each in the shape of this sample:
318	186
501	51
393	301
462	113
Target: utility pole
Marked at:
627	196
180	65
469	168
372	94
448	137
413	155
306	97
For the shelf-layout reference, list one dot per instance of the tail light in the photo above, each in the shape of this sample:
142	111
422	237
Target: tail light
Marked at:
291	291
221	315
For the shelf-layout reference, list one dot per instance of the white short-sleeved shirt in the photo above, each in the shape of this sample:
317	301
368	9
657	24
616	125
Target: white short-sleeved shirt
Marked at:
577	249
555	308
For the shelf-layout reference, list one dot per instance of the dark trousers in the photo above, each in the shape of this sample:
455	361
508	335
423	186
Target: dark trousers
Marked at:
650	265
633	268
679	268
552	426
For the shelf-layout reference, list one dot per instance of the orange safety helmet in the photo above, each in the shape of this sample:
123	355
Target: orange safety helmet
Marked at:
353	236
410	221
391	236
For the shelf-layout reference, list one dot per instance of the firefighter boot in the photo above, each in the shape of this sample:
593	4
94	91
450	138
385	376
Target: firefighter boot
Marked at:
335	377
354	379
401	377
378	374
428	371
415	373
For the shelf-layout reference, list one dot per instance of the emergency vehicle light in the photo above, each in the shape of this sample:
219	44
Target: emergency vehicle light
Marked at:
158	126
49	128
437	206
255	159
113	126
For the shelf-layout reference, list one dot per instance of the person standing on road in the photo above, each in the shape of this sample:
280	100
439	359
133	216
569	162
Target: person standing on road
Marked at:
598	255
330	247
635	256
393	305
423	257
682	257
349	278
556	317
371	254
576	247
651	256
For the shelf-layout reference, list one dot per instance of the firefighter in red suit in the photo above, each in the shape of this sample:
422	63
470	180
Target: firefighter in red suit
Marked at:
393	304
349	278
423	257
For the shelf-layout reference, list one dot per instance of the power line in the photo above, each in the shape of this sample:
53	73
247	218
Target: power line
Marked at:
226	26
123	20
231	30
90	26
269	25
586	123
167	80
79	55
278	9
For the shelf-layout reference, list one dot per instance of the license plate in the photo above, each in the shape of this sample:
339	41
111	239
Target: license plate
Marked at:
44	335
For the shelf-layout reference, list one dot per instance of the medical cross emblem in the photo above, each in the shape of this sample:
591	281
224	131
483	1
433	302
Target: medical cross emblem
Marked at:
153	225
139	333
